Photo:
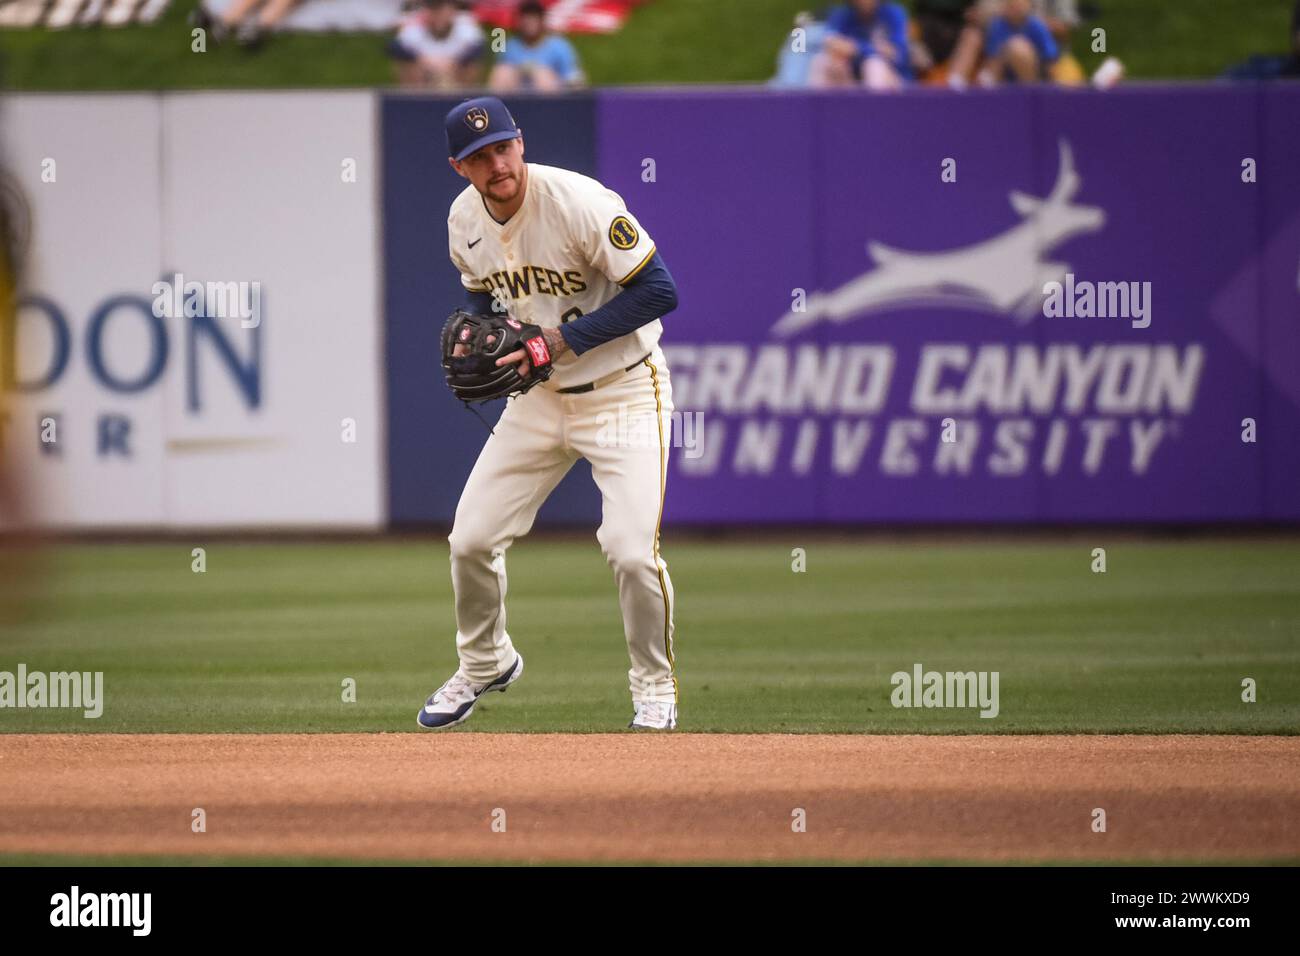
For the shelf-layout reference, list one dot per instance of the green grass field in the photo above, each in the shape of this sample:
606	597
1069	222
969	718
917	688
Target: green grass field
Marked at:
664	42
262	641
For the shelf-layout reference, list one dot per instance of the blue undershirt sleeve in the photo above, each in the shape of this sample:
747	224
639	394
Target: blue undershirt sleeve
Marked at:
480	303
649	295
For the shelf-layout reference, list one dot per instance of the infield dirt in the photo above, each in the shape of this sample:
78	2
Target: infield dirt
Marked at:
686	797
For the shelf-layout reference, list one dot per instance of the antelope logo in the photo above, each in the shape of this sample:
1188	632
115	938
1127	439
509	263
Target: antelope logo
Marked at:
1003	274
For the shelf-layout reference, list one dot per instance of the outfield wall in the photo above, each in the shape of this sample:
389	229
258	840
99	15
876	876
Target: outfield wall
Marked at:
923	301
176	421
860	278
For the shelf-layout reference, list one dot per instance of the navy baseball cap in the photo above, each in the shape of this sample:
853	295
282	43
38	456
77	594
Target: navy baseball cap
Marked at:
477	123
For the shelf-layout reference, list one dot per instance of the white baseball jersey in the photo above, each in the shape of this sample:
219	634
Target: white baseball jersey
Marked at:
563	254
566	252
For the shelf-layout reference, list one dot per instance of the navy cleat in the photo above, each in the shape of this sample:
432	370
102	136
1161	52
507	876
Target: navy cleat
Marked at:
454	701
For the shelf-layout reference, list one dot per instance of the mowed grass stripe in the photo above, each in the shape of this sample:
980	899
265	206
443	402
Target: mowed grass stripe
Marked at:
262	641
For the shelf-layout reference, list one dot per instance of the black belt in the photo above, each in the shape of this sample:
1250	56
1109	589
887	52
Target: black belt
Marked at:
591	386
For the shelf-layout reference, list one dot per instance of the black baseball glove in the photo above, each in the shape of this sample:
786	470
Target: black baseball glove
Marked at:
473	375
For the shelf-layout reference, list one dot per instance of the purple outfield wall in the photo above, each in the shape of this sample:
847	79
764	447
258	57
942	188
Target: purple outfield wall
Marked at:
923	301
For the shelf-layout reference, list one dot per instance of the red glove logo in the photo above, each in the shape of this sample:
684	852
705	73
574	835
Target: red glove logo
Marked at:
537	349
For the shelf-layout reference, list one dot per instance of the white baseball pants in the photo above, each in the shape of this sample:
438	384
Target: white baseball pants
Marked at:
623	428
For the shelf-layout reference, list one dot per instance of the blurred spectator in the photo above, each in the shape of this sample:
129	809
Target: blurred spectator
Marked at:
866	43
1018	46
15	228
793	65
533	58
965	59
1267	67
947	43
240	20
438	45
940	25
1058	16
1061	16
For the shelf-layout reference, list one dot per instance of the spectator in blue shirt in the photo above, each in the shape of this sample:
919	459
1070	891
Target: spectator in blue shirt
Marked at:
794	59
866	43
1018	46
534	59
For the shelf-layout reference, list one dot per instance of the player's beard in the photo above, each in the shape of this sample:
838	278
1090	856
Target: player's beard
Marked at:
504	190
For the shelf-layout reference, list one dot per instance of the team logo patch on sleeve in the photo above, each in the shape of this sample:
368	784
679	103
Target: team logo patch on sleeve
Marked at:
623	234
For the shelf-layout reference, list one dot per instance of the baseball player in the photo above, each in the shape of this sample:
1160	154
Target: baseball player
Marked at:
558	251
